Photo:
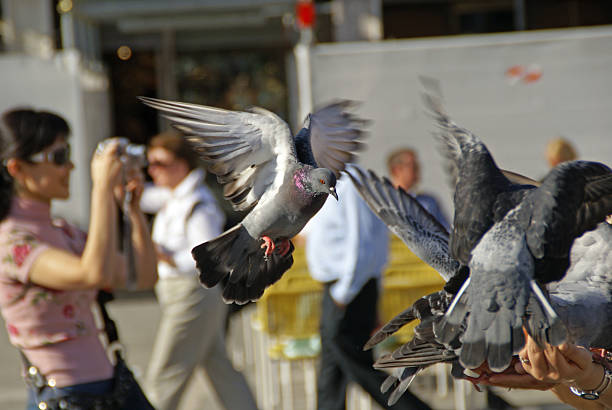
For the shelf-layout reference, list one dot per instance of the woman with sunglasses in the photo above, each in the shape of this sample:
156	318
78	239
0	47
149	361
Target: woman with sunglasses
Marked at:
50	271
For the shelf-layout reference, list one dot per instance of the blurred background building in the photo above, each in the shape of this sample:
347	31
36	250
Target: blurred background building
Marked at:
90	59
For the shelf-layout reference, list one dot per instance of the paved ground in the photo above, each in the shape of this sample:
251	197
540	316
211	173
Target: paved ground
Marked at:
278	384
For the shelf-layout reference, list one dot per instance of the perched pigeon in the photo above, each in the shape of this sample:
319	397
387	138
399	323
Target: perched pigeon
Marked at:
429	240
528	247
583	298
514	238
282	180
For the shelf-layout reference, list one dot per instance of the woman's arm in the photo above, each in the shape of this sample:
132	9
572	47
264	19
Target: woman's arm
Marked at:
144	249
60	269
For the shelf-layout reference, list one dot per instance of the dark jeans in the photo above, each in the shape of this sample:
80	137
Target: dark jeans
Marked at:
136	400
344	331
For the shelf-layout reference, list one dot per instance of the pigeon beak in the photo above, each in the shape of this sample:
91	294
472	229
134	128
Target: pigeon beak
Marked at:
332	190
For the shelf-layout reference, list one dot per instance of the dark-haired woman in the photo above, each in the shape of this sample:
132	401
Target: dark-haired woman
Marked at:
49	270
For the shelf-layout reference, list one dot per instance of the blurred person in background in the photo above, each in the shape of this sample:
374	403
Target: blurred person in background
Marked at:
50	271
192	325
559	150
346	249
405	172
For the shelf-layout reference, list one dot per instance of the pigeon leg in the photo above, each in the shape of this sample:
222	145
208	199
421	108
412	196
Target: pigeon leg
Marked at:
268	244
283	247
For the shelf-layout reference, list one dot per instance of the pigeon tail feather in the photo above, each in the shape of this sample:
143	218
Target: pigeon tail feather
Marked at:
237	261
402	384
451	325
543	323
404	317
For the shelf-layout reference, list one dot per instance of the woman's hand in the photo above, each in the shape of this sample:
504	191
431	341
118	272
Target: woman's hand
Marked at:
567	363
513	377
134	183
542	368
106	166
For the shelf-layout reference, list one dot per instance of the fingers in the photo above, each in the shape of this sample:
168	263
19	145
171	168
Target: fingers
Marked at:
518	368
107	149
517	381
535	363
554	364
581	356
105	166
561	369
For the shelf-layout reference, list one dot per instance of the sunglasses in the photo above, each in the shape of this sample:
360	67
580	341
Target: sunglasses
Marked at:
59	156
160	164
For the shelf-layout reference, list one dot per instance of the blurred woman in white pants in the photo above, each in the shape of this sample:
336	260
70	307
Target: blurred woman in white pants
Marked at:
191	331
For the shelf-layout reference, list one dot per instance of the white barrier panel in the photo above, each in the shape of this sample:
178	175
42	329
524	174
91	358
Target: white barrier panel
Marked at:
62	86
514	90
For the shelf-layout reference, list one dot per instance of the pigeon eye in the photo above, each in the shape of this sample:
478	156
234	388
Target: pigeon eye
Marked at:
322	181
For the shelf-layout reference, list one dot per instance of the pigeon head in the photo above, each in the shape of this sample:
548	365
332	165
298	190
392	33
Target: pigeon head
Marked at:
324	181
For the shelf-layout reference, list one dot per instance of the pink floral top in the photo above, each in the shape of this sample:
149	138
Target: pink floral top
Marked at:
54	328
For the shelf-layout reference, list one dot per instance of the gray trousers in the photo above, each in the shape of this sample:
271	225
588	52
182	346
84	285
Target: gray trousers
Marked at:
191	334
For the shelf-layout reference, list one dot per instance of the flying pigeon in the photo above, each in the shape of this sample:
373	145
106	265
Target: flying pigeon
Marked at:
583	299
280	179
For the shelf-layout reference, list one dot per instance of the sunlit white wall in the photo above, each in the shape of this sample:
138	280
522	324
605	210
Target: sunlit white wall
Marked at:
565	89
61	85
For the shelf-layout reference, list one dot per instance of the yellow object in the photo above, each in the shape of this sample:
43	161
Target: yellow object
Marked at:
406	279
291	307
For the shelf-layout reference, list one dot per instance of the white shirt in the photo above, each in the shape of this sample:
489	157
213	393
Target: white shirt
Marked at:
189	216
346	243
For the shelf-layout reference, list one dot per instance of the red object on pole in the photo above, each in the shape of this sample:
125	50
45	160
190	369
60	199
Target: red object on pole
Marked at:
305	13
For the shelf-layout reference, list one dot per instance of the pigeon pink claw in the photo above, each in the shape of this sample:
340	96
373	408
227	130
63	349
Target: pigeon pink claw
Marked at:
284	247
268	244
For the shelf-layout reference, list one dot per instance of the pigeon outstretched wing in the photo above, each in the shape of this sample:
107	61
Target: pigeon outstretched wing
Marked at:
330	137
406	218
574	197
248	151
483	194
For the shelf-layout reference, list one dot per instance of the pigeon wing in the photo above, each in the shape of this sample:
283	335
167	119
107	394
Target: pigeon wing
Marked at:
248	151
406	218
330	137
477	179
574	197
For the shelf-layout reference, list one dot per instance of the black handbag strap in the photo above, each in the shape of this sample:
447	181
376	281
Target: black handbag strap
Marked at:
110	328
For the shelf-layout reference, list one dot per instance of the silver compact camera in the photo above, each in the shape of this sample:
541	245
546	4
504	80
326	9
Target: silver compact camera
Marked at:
133	155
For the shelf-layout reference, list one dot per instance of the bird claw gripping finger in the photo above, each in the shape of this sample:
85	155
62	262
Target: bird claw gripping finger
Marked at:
284	247
268	244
